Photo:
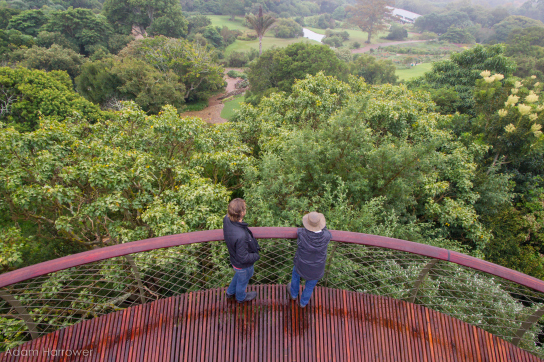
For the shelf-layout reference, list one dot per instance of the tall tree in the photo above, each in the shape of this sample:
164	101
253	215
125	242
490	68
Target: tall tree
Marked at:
163	17
369	15
261	24
81	27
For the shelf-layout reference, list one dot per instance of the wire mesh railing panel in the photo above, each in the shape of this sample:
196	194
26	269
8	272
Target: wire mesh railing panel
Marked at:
44	304
494	304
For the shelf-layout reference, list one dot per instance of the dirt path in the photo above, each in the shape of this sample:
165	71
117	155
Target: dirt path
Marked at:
376	46
212	113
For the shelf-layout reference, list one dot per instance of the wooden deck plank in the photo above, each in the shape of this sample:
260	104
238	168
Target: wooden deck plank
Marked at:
336	325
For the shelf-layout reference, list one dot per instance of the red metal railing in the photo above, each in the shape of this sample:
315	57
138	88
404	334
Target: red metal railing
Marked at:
40	298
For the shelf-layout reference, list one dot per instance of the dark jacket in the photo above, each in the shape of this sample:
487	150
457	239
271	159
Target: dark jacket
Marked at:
311	253
243	247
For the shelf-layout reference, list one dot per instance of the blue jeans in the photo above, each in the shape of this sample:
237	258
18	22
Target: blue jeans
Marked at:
308	288
239	282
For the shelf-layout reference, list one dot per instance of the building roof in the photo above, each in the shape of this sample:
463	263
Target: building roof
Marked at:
404	13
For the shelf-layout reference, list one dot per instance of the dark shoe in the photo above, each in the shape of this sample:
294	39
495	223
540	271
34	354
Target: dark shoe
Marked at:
289	291
230	296
249	296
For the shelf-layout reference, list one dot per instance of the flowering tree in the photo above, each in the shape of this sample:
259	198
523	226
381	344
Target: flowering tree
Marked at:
510	116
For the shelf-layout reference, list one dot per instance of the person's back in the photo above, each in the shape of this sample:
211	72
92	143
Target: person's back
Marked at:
243	250
311	254
310	257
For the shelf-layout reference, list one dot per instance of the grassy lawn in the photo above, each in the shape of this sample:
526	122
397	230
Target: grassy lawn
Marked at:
268	42
222	20
413	72
231	106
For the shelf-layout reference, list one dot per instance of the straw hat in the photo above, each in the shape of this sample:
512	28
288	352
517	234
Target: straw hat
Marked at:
314	221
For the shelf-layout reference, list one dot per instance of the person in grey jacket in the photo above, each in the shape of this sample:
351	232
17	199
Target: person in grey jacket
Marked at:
309	262
243	250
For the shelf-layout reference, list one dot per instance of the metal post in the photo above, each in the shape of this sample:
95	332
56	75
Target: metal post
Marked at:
136	274
21	310
526	325
421	278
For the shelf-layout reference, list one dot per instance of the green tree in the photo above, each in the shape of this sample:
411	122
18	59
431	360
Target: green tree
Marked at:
126	15
233	8
277	69
287	28
46	39
54	58
526	48
461	71
150	88
98	83
197	23
81	27
28	22
261	24
11	41
374	71
123	179
193	64
337	147
456	35
505	27
440	23
369	15
5	15
397	32
28	95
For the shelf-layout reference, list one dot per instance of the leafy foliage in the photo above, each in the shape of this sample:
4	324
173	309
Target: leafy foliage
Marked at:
27	95
277	69
397	32
163	17
287	28
124	179
28	22
80	26
192	63
461	71
54	58
374	71
509	24
343	145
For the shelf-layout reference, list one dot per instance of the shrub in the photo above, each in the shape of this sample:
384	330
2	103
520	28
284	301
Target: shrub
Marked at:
356	45
237	59
287	28
333	41
456	35
397	32
247	36
236	74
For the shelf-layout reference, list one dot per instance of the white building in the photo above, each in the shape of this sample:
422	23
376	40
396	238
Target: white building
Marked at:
404	15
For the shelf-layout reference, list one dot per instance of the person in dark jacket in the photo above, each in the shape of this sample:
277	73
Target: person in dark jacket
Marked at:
243	250
312	242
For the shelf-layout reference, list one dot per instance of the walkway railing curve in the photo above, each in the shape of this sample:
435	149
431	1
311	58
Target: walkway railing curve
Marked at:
42	298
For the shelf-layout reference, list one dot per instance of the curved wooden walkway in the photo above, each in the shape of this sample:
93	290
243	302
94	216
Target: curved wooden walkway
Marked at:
337	325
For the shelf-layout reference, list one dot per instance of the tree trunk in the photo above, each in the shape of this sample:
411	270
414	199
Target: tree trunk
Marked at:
260	45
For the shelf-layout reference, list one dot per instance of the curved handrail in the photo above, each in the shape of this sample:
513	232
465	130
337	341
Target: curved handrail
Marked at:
87	257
